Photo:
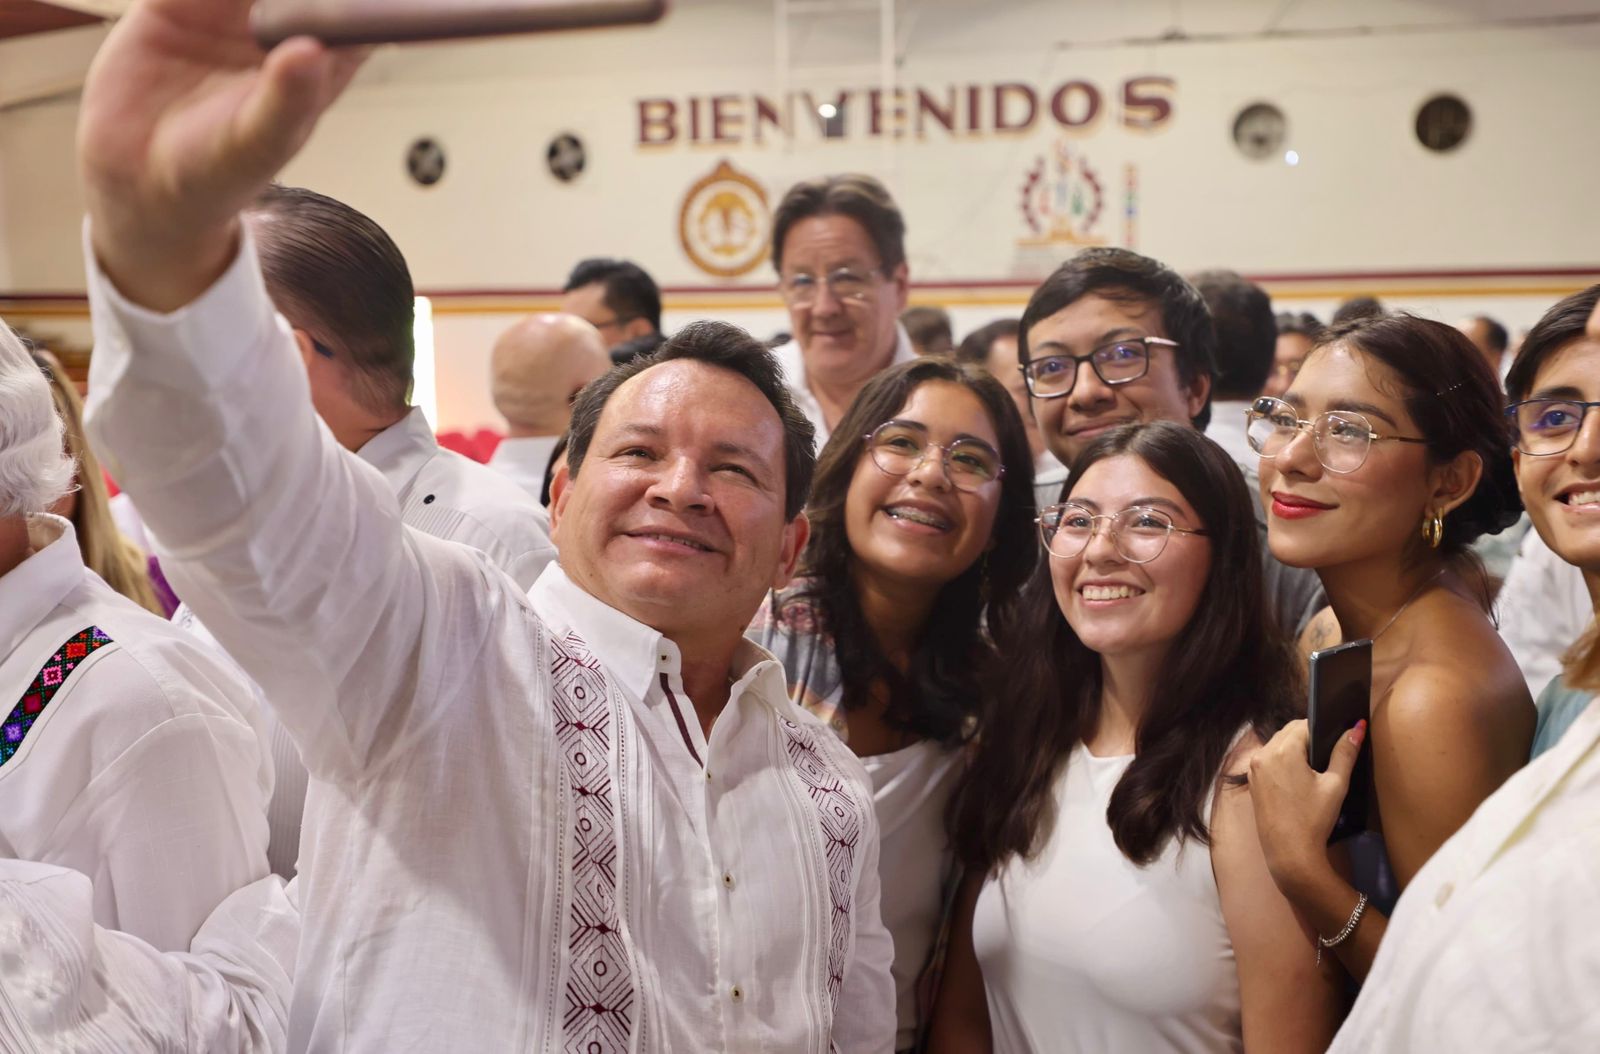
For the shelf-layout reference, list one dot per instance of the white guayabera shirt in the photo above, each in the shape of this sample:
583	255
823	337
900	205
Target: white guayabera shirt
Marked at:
128	751
517	836
68	985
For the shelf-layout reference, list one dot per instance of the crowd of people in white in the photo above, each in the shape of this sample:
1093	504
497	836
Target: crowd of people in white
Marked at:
829	696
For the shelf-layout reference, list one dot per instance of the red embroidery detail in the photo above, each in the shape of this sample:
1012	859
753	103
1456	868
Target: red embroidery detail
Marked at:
839	816
599	989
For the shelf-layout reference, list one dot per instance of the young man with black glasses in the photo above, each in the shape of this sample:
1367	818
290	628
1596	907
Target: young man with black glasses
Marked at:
1113	337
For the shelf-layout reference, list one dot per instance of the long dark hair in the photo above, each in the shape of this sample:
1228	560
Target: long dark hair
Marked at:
1230	667
938	693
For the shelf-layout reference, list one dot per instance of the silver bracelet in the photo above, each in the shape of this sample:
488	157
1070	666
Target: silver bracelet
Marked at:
1344	934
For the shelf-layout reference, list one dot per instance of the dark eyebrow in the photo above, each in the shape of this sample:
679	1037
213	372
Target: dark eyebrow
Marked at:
1357	407
1565	391
1110	336
739	450
641	430
963	437
1160	503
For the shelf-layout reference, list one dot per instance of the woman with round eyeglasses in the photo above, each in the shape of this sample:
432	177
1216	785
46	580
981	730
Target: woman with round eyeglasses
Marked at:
1116	896
1385	460
921	530
1492	947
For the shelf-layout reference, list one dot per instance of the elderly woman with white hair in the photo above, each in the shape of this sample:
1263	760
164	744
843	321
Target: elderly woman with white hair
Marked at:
127	752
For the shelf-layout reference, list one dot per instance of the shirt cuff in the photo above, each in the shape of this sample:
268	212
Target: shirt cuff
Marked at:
208	338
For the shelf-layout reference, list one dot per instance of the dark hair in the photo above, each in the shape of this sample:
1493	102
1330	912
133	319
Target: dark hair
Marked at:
336	274
1564	323
929	329
857	196
974	347
1120	274
630	291
1229	668
1499	339
726	347
1302	324
1247	332
1358	307
940	692
1455	400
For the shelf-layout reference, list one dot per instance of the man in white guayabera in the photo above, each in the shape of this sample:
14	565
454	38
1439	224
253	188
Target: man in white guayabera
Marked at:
587	818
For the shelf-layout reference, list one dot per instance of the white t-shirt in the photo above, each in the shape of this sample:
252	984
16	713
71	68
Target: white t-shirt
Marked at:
1085	952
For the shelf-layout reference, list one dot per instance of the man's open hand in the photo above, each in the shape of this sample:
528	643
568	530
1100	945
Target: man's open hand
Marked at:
184	121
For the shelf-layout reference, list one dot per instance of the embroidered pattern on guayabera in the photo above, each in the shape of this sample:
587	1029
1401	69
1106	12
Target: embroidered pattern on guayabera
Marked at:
600	989
839	815
45	686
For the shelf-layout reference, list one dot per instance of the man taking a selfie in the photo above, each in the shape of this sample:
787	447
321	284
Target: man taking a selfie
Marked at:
588	818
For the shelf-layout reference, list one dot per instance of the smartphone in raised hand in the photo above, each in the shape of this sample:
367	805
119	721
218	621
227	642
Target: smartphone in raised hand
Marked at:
344	22
1341	695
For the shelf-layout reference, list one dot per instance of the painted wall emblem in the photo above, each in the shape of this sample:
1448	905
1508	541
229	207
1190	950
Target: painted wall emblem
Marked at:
725	223
1063	200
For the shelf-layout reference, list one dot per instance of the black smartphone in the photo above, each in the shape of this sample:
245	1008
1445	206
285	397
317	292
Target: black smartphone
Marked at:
1341	695
340	22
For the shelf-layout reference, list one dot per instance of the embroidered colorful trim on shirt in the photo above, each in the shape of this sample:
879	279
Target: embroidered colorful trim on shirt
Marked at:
45	686
599	988
840	817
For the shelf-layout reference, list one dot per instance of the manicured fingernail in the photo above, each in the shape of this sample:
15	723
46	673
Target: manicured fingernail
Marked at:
1358	733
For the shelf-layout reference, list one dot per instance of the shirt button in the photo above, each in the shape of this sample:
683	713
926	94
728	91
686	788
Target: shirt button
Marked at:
737	994
727	879
1441	898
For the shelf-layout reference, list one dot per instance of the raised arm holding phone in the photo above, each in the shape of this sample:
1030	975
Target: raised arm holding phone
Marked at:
587	817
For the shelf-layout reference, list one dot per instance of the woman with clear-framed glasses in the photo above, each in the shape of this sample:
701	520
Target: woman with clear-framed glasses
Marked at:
1384	461
921	531
1507	906
1116	895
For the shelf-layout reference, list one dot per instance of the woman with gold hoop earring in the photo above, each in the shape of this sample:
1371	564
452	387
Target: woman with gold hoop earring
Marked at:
1392	421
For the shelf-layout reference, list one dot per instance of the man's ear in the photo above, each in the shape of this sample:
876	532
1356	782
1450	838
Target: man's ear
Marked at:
795	535
560	494
1454	481
900	278
302	340
1199	391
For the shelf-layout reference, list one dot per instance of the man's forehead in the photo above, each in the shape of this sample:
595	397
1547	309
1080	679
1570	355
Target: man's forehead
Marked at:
687	394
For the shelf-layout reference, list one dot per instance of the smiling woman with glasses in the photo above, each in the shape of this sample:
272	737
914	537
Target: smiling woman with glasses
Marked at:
1385	460
921	532
1104	795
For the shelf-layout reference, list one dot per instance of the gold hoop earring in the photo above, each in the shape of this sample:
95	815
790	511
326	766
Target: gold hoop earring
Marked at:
1433	530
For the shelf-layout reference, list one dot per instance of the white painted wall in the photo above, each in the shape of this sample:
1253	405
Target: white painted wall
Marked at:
1365	198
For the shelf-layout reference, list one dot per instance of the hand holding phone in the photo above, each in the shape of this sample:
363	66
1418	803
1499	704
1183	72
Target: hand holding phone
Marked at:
344	22
1341	695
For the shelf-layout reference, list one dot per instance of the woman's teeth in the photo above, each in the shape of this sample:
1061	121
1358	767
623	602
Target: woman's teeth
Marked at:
927	519
1109	592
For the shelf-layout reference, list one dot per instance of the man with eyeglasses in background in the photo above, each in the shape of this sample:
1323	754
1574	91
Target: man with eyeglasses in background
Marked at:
838	245
621	300
1113	338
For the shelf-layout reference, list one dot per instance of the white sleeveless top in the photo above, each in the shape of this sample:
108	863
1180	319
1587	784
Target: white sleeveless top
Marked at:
1082	950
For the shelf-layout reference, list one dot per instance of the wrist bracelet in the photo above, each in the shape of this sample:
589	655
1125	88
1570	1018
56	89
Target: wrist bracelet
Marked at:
1344	934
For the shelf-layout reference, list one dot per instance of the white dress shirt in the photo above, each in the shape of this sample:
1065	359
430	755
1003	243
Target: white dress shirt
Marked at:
523	460
143	770
71	986
451	496
794	375
517	836
1227	429
1543	608
441	493
1495	945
